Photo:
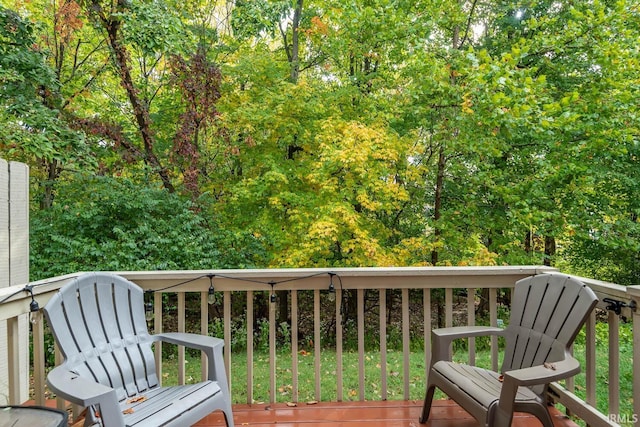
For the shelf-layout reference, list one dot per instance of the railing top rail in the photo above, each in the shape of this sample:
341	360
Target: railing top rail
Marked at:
607	291
17	300
306	279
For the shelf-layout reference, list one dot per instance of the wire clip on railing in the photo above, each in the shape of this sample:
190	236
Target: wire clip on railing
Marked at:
616	306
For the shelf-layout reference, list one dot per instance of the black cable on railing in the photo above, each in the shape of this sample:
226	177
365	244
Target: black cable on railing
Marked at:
271	283
175	285
242	279
29	288
8	297
34	307
342	300
211	293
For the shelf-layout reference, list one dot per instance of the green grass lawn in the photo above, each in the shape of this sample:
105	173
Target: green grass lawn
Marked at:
306	375
328	375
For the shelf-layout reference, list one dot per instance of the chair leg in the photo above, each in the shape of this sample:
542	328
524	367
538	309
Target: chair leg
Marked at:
228	418
428	399
90	418
542	413
228	414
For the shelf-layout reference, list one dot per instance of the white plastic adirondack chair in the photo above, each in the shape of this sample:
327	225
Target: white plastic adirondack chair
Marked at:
547	313
98	321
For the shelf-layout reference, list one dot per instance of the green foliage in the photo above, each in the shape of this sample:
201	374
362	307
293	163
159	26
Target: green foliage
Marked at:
30	123
23	63
251	18
414	132
101	223
153	28
238	331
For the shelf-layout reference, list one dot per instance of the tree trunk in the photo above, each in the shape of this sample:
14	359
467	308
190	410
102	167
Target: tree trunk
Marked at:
437	205
295	42
53	172
549	249
483	307
140	109
528	245
442	164
283	307
294	58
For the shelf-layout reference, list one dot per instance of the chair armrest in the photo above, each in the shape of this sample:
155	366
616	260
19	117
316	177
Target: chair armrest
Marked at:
199	342
544	374
211	346
86	392
442	338
466	331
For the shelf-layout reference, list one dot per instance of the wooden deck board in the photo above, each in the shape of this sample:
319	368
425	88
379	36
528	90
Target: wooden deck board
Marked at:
445	413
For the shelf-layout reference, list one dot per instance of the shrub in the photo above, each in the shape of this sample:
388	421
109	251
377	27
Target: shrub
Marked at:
103	223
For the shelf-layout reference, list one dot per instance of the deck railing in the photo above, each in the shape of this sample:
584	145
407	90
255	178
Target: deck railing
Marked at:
415	290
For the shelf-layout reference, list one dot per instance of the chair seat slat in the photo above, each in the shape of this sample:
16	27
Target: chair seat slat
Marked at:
482	384
167	403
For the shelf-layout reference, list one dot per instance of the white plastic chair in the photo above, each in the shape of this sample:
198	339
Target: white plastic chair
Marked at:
98	321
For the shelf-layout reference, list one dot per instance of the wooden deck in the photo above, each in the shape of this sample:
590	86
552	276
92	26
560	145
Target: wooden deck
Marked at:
396	413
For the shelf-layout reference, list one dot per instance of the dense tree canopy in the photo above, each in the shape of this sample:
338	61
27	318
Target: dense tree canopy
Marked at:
324	133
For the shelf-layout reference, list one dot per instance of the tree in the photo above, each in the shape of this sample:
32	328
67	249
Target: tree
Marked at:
198	81
109	16
578	106
33	128
368	133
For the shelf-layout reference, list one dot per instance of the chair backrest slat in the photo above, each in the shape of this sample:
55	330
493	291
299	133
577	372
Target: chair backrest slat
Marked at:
146	376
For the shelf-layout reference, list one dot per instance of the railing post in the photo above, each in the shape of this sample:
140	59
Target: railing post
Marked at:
181	328
272	349
157	329
316	341
493	321
13	359
361	356
249	346
634	293
39	374
614	362
339	337
471	321
204	330
590	360
294	349
226	310
426	315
